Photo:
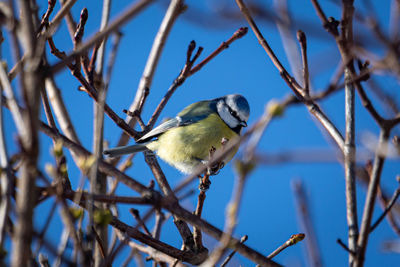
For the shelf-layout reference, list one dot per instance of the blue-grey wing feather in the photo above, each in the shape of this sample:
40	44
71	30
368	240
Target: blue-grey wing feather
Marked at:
191	114
171	123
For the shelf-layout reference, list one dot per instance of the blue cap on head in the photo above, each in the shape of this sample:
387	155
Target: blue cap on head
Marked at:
239	104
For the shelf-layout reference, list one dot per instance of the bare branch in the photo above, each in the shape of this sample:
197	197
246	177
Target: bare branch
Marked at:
175	8
350	167
99	36
389	206
313	253
370	198
294	239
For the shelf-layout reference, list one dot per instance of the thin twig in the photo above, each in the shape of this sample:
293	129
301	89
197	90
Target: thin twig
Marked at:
294	239
291	82
197	236
313	253
113	26
105	16
110	258
371	196
5	176
237	35
12	102
387	209
230	256
177	82
306	75
98	183
181	225
232	211
175	8
136	215
53	25
46	16
71	24
343	245
45	227
44	262
94	94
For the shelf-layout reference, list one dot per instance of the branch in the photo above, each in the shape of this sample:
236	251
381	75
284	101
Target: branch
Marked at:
306	75
32	80
291	82
371	196
162	201
230	256
350	167
389	206
12	103
182	226
225	45
175	8
293	240
5	173
243	169
114	25
304	217
177	82
101	50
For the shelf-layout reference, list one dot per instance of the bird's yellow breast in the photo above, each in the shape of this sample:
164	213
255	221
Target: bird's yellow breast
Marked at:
186	146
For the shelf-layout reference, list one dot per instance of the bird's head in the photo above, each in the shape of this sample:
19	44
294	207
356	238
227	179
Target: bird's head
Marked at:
234	110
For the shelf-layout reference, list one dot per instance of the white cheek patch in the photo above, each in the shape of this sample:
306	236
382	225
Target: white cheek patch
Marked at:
225	115
231	102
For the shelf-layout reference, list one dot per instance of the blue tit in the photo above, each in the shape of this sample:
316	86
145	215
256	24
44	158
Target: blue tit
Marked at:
185	141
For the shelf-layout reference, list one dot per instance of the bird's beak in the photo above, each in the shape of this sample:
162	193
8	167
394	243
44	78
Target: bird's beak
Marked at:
243	124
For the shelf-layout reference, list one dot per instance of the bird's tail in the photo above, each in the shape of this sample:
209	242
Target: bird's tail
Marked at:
122	150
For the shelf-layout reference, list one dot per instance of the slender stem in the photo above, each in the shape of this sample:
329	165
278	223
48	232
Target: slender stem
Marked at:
225	45
350	167
53	25
182	226
177	82
232	211
261	38
291	82
98	181
104	21
71	24
197	236
371	197
313	253
32	81
5	176
230	256
173	11
294	239
343	245
306	75
99	36
12	103
136	214
60	112
387	209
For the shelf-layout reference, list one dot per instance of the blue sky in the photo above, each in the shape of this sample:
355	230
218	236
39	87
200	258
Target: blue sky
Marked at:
268	211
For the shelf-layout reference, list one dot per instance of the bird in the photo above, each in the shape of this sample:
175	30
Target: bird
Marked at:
185	141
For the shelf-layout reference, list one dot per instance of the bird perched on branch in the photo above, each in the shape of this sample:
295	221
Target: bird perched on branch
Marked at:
185	141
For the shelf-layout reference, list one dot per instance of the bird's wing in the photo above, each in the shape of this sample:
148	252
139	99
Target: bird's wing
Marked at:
191	114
